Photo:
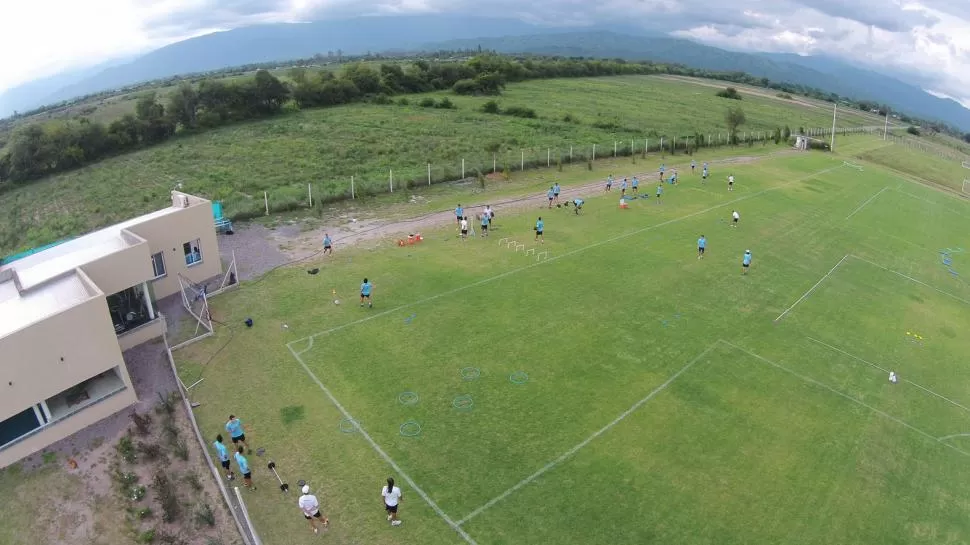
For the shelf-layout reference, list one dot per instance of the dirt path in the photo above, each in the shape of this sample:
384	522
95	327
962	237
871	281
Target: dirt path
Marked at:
292	242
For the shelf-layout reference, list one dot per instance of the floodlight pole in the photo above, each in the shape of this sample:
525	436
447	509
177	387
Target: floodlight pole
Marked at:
885	131
835	112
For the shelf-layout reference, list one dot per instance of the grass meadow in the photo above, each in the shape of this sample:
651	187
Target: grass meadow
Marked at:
622	390
925	166
325	147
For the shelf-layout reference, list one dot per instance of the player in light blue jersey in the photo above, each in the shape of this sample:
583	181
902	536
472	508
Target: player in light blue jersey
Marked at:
555	191
701	245
551	194
538	229
623	187
244	468
636	185
578	204
365	292
746	262
660	192
236	433
223	454
459	213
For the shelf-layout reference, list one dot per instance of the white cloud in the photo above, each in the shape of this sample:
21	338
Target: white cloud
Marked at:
929	39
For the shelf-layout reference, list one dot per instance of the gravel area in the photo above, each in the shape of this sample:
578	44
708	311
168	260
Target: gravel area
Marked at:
256	252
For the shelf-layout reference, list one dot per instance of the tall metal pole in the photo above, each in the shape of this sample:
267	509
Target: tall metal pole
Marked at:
885	131
835	112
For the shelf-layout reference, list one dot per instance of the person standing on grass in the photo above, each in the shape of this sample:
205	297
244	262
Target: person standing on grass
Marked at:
663	168
485	221
459	213
660	191
551	194
636	185
609	182
538	230
365	290
490	214
673	177
693	165
701	246
310	506
623	188
392	499
555	191
464	229
247	473
734	218
704	173
731	182
223	453
327	244
746	262
236	433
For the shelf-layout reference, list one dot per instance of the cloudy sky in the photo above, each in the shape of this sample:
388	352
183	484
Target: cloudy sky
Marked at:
927	39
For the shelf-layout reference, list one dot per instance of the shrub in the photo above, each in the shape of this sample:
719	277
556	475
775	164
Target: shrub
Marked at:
151	451
785	96
147	536
142	423
166	496
520	111
193	481
465	87
491	107
568	118
403	102
126	479
445	104
204	516
126	449
730	92
181	449
607	125
913	130
382	99
166	404
426	102
136	493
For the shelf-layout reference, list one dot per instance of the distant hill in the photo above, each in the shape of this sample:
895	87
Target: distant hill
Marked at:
280	42
820	72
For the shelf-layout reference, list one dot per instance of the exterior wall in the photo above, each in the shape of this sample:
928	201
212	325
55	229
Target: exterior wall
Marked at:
121	270
60	429
168	233
142	334
51	356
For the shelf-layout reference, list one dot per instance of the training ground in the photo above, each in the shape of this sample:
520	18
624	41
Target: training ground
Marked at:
618	390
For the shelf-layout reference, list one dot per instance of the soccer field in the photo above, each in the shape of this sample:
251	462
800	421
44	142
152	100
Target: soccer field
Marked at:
618	389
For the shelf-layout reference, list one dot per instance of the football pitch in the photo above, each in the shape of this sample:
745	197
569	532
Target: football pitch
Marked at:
616	388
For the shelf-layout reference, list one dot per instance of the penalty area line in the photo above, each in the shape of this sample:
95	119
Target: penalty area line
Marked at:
810	290
563	457
869	200
390	461
846	396
561	256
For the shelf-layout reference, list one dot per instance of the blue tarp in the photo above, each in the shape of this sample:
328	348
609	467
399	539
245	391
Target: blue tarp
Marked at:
11	258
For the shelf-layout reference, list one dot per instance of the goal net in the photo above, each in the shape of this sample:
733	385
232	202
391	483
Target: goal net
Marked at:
195	299
229	280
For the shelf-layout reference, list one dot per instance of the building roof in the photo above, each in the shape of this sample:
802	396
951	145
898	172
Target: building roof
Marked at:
21	308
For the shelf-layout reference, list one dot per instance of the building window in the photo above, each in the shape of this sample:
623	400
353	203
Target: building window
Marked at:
86	393
129	308
192	253
158	265
18	425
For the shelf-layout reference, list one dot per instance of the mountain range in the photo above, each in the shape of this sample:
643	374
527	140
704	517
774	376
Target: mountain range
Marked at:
279	42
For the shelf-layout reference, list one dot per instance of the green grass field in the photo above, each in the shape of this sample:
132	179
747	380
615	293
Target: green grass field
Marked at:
325	147
669	399
948	174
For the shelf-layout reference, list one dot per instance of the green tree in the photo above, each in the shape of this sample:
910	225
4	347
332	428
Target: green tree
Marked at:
183	106
734	117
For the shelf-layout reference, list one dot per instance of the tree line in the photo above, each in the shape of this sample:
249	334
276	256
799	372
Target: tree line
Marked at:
40	149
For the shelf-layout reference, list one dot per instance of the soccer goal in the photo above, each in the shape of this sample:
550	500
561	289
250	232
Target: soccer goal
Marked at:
229	280
195	299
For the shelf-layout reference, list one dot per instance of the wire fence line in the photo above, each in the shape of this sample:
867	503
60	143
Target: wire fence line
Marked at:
486	165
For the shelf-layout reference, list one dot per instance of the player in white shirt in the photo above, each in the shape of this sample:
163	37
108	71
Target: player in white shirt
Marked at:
892	377
392	499
731	182
464	227
734	218
311	510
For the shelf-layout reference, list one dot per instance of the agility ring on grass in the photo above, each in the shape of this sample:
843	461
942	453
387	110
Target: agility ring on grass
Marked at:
463	402
470	373
349	425
408	398
519	377
410	429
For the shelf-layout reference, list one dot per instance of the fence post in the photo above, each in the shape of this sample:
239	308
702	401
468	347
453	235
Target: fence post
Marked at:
570	154
646	146
266	202
594	152
309	190
391	179
429	173
353	195
462	168
522	164
661	145
548	157
493	163
614	149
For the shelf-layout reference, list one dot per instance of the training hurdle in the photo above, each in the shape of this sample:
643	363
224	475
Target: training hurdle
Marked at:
530	251
541	256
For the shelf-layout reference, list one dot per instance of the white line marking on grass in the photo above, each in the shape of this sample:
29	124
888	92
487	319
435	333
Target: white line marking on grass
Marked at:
397	469
846	396
863	205
927	390
910	278
567	254
586	441
954	436
810	290
939	204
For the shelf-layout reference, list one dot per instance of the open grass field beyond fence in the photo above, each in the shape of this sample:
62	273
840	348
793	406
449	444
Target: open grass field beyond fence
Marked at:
619	389
325	147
